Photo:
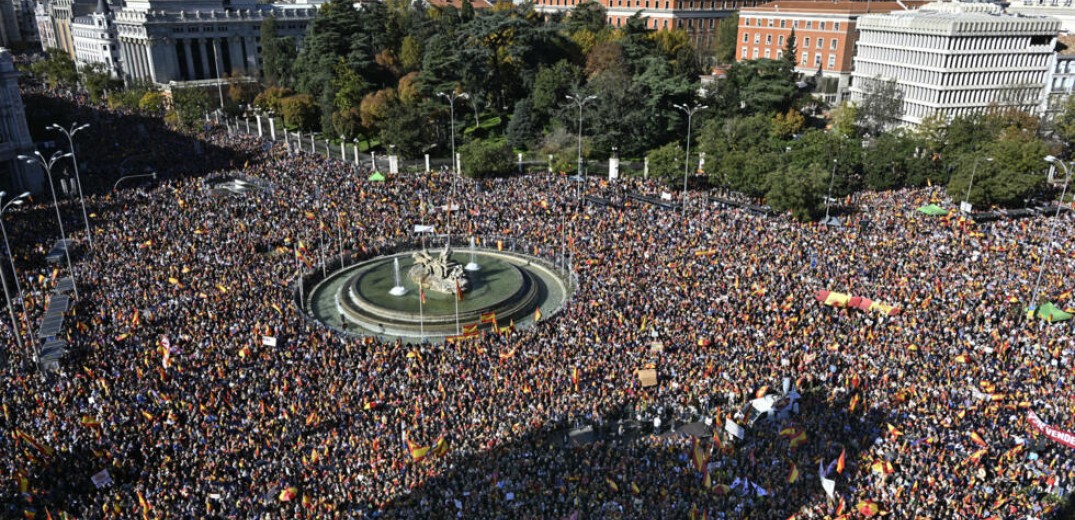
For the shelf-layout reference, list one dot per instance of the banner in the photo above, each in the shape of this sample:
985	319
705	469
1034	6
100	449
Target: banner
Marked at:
268	341
1061	436
734	429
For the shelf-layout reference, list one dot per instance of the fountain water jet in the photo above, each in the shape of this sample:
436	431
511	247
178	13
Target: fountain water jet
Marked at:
398	289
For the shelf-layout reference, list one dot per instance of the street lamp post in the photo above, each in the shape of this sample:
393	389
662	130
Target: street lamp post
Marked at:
3	278
689	110
455	163
46	165
828	198
1052	231
973	172
70	134
581	102
451	106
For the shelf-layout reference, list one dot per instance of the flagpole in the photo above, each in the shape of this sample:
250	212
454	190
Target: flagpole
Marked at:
457	331
339	235
421	309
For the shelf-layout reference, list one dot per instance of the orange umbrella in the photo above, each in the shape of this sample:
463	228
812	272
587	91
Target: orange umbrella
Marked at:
869	508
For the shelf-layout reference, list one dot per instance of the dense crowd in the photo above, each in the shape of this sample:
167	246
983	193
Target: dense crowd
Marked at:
169	387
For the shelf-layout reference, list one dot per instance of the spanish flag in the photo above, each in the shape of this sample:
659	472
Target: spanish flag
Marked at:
537	315
470	329
90	422
41	448
422	294
840	462
417	452
146	507
799	440
978	439
575	378
793	475
440	448
458	291
612	484
893	431
488	317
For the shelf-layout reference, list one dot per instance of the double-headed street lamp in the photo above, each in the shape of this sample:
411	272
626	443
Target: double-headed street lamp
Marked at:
17	201
1052	232
689	110
455	163
973	172
46	164
451	105
70	134
581	102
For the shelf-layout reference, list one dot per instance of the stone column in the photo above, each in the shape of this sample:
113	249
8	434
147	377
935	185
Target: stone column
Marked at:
235	51
203	46
150	63
192	73
251	56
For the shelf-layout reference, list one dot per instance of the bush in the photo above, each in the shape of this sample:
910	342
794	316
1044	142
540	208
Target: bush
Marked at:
664	162
485	158
300	112
271	97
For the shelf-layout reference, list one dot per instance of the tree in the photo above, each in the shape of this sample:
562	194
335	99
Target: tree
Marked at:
727	39
666	162
485	158
375	106
57	69
190	105
787	124
151	102
407	127
1014	174
798	191
889	160
98	81
270	98
791	51
522	129
410	54
881	107
277	54
764	86
842	120
299	111
589	16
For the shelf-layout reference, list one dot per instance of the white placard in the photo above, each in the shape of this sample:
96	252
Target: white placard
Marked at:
268	341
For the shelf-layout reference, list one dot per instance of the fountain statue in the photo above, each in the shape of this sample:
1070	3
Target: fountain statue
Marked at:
398	289
440	274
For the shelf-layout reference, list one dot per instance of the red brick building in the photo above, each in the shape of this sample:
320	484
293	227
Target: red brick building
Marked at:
825	33
700	18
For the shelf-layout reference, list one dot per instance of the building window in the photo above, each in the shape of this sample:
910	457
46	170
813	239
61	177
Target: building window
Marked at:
779	54
795	23
808	22
746	37
768	54
836	26
770	22
746	22
832	44
757	38
783	23
768	39
744	53
817	60
832	61
780	40
755	53
821	43
806	42
821	25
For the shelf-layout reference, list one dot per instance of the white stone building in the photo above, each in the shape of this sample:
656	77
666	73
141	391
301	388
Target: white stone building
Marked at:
1061	9
15	176
95	39
1061	79
956	59
164	41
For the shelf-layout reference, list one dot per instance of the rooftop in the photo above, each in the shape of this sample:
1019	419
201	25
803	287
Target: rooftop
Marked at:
832	7
949	18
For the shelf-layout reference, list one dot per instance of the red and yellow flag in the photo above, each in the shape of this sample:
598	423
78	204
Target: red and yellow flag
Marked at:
793	475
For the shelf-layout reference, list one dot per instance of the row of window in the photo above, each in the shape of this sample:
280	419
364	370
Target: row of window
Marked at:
809	24
972	61
943	42
804	58
1065	66
712	23
948	79
803	43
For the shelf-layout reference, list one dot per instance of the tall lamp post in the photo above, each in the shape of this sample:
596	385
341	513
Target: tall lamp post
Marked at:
3	278
689	110
46	164
451	105
581	102
17	201
455	164
1052	231
70	134
973	172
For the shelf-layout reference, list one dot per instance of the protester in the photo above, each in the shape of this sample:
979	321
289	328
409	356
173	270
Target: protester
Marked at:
169	386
